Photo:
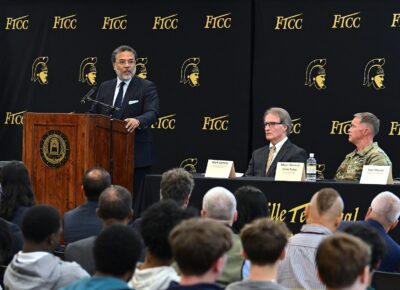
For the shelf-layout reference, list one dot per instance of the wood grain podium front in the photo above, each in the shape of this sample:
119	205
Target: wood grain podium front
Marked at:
58	148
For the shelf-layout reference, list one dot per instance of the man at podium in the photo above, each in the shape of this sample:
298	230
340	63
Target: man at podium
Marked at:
138	105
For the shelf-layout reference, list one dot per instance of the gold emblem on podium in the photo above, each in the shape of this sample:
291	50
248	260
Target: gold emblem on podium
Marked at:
54	148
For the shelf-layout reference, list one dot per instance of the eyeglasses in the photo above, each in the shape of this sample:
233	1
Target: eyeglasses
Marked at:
272	124
129	61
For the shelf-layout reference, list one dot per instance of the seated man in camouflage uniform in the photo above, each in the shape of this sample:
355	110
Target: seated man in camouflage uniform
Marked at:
363	129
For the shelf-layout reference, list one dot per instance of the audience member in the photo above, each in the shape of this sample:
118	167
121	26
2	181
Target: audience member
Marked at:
323	216
371	237
199	247
156	273
362	132
116	251
35	267
264	244
342	262
251	204
82	222
383	215
11	241
17	194
220	204
177	184
115	207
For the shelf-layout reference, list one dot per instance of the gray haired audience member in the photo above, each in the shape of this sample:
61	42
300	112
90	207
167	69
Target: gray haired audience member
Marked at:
220	204
116	251
323	216
343	262
199	247
114	208
156	273
264	244
177	184
383	215
35	267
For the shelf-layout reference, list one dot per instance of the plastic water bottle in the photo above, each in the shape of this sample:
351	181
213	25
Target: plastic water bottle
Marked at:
311	168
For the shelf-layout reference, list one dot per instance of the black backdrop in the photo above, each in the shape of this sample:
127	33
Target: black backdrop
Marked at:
246	64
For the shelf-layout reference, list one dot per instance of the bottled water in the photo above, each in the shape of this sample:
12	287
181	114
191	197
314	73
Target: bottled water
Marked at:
311	168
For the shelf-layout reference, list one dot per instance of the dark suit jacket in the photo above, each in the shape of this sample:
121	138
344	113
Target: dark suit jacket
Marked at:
141	102
82	252
288	153
81	222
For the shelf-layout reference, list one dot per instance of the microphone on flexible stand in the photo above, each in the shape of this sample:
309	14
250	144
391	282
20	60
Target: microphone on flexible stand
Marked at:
88	95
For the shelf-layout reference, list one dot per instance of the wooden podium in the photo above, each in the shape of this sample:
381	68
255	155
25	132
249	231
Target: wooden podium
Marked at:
58	148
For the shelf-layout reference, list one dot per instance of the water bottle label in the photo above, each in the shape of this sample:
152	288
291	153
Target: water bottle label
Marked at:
311	169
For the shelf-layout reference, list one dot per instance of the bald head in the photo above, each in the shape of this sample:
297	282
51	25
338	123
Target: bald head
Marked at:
385	208
115	203
325	208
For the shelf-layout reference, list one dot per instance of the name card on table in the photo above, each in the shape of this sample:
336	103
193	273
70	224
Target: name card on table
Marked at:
220	169
376	174
290	171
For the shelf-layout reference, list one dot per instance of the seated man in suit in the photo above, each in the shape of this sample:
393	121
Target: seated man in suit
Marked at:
277	126
82	222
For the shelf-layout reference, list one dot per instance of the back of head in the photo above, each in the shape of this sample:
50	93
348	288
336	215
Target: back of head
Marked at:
370	120
95	181
386	208
219	204
264	240
39	222
197	243
372	238
341	259
251	204
117	250
176	184
326	205
115	202
16	188
157	222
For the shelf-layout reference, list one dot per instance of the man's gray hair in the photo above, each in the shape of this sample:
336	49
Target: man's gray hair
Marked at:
121	49
283	116
370	120
386	205
220	204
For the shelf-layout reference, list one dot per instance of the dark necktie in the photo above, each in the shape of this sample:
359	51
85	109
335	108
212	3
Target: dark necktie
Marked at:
118	101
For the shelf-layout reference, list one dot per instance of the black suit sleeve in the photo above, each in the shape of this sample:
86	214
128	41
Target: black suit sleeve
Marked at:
151	106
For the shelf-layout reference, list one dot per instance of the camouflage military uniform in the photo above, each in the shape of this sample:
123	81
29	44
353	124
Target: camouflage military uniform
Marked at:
353	163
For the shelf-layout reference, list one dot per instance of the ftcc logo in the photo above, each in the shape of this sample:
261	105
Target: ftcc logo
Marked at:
315	74
87	71
40	70
190	72
374	74
141	69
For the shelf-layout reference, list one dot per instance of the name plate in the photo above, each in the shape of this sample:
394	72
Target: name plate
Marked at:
290	171
220	169
375	174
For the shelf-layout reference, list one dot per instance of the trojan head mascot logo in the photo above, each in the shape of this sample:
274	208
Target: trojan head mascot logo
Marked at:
141	69
189	164
40	70
315	74
190	72
374	73
87	71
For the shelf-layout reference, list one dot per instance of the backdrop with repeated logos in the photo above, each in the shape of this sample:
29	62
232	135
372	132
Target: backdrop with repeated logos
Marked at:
217	66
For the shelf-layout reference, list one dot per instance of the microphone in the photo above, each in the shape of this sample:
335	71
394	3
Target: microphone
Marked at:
88	95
